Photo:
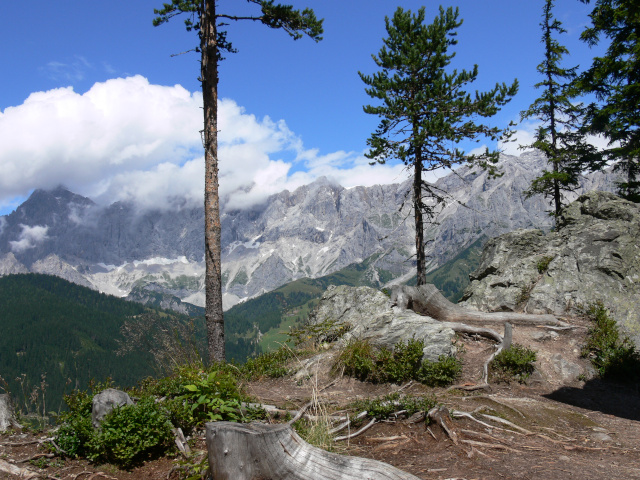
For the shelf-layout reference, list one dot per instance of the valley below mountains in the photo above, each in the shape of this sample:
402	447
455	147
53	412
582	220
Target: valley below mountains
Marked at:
156	256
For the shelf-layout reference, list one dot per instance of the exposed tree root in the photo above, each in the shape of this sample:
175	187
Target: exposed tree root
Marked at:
428	300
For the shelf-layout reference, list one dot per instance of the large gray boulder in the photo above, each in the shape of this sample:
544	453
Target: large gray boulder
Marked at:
371	316
106	401
594	254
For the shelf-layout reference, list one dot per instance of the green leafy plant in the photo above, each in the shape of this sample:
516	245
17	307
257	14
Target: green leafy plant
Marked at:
131	433
270	364
194	467
385	406
441	373
613	355
514	363
543	264
213	397
404	362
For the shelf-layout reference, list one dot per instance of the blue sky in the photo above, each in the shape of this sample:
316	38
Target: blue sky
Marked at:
91	98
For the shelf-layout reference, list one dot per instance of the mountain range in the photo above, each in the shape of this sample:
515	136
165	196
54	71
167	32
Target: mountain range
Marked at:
313	231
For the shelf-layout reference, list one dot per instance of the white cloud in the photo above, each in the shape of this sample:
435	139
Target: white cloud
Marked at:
126	139
71	71
526	136
29	238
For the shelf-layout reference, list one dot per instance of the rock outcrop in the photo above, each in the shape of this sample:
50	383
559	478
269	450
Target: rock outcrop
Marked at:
594	254
106	401
370	315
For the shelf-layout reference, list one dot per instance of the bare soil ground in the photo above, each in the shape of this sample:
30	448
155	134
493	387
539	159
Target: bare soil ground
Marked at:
567	428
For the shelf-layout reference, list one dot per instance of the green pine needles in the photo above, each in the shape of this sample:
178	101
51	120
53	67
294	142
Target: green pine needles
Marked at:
559	137
614	79
424	109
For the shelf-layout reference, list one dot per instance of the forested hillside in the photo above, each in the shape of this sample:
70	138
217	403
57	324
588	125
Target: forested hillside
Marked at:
70	334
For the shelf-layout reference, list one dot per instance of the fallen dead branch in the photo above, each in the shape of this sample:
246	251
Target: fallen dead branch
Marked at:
355	434
495	446
28	442
440	415
508	423
37	455
427	300
18	471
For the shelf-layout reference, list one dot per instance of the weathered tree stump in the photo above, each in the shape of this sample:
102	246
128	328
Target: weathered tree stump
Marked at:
428	300
257	451
7	414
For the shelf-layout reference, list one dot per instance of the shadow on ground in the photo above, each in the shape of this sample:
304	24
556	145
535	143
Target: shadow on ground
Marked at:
611	398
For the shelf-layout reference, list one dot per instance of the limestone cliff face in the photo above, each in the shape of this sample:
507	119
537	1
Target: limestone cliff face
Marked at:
312	231
594	254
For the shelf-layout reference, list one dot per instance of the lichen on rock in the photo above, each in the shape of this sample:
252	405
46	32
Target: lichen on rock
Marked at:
371	316
594	254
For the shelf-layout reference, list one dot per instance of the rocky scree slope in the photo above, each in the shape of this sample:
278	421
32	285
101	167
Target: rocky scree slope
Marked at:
313	231
594	254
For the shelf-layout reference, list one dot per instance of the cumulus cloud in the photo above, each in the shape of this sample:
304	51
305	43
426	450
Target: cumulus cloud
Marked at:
29	238
127	139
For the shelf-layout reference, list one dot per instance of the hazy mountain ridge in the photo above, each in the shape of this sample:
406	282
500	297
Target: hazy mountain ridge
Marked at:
310	232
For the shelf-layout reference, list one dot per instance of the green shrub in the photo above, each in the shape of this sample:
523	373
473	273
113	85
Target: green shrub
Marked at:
131	433
514	363
357	359
73	435
270	364
361	360
543	264
383	407
613	356
441	373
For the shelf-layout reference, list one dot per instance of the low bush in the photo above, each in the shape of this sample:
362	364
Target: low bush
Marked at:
270	364
514	363
404	362
384	407
543	264
131	434
613	355
441	373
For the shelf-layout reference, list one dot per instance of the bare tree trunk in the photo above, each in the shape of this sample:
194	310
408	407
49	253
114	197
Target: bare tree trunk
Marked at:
417	206
213	278
428	300
258	451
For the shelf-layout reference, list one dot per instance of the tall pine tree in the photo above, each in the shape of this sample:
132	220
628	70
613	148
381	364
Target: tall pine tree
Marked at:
559	137
614	78
203	18
425	111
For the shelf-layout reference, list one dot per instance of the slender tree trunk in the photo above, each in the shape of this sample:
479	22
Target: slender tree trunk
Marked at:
417	206
213	279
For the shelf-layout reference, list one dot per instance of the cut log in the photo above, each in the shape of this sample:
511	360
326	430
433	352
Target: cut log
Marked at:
258	451
427	300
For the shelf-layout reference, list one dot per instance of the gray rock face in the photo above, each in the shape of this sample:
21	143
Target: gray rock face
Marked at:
106	401
53	265
313	231
593	255
9	265
372	317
